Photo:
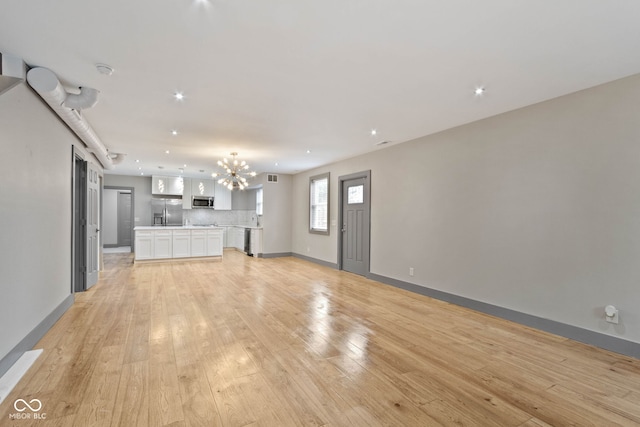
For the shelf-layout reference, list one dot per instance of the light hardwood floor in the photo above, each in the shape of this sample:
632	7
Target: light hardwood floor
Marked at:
284	342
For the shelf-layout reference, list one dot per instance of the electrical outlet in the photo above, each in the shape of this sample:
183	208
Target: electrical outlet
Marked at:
410	271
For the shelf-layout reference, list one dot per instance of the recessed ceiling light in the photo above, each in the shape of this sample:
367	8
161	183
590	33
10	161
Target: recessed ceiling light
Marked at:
276	163
479	91
185	166
308	151
137	161
141	173
140	168
167	152
174	132
374	132
179	96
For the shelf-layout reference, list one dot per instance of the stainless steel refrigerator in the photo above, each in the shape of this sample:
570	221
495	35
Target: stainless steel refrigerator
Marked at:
166	211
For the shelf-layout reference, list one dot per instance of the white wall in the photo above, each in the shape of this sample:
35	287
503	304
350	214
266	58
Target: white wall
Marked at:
141	192
35	207
243	200
110	217
536	210
277	215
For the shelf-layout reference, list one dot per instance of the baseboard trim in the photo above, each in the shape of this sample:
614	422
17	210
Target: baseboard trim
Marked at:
607	342
9	380
316	261
275	255
35	335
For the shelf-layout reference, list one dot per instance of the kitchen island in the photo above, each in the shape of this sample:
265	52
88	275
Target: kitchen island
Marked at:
177	242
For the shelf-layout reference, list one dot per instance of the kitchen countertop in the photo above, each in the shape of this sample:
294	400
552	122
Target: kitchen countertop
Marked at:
191	227
176	227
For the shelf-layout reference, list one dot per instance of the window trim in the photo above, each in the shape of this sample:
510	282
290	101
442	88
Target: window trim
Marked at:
312	181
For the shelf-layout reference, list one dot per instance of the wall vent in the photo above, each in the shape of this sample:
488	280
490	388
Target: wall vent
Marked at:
272	178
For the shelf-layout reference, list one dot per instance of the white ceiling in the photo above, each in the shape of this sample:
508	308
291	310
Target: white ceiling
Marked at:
272	79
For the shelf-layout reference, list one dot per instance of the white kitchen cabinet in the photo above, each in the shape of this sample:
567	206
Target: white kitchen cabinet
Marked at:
177	242
256	241
222	201
186	193
144	245
203	187
198	243
181	243
162	244
238	239
214	242
167	185
225	237
231	237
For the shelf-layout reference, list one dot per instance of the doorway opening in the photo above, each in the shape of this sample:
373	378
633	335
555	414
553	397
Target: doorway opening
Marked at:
354	208
117	215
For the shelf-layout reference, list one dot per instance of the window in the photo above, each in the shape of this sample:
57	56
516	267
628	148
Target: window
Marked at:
355	195
319	204
259	201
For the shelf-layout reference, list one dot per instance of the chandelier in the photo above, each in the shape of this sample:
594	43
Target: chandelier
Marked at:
235	175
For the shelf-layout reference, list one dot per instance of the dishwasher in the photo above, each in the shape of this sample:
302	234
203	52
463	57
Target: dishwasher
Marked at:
247	241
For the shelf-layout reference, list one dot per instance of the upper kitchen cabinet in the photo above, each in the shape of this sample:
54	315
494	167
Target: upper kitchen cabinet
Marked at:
222	201
203	187
167	185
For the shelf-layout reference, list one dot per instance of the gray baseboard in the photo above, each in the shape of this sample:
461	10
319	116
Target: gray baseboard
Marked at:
35	335
275	255
316	261
608	342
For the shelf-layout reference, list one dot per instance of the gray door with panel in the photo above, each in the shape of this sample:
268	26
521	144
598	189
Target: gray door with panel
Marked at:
355	225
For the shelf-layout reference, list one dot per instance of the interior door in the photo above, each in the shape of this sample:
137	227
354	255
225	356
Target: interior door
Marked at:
79	224
124	219
355	225
93	221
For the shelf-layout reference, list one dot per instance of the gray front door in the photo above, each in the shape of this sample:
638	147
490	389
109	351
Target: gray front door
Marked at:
124	219
355	224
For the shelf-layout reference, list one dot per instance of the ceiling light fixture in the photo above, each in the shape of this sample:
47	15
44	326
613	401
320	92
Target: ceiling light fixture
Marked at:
167	152
479	91
174	132
234	175
104	69
374	132
179	96
308	151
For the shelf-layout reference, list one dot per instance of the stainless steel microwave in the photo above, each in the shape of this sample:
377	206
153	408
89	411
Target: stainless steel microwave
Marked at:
202	202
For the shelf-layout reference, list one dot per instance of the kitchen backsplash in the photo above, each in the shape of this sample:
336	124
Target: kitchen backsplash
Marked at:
209	216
